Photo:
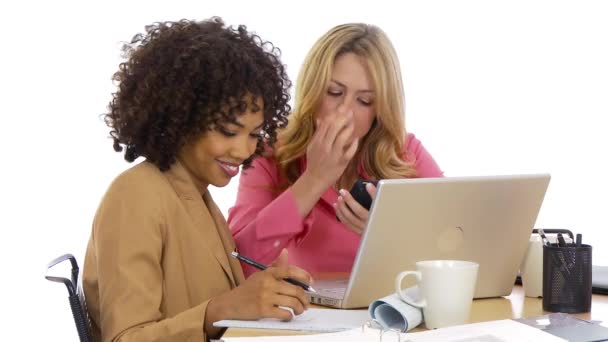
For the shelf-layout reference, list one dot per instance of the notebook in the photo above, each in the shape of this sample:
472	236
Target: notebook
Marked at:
389	312
487	220
320	320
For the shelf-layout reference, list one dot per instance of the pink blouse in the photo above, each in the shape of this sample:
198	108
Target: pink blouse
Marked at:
264	221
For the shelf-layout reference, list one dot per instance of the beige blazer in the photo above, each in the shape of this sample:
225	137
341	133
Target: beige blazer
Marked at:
157	254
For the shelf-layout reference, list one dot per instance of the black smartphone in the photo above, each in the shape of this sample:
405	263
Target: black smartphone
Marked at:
360	194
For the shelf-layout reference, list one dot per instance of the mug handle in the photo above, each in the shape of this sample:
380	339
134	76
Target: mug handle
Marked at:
419	304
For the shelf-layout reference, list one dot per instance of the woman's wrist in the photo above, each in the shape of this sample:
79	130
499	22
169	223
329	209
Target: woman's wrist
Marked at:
315	184
216	311
307	190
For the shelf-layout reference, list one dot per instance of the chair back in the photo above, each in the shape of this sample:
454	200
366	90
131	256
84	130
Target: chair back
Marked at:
75	297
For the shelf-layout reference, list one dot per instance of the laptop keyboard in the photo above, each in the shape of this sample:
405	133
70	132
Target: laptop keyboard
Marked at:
332	288
337	292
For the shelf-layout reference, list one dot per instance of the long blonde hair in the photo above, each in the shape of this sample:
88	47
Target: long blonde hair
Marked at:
380	151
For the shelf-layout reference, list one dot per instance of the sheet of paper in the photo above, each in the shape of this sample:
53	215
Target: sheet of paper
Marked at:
494	331
354	335
322	320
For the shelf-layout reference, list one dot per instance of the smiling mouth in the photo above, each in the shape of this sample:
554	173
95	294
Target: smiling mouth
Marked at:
230	169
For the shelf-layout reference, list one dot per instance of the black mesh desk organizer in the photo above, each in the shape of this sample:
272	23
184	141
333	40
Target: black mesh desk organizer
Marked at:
567	278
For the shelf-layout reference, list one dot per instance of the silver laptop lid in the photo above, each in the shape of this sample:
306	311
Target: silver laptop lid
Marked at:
483	219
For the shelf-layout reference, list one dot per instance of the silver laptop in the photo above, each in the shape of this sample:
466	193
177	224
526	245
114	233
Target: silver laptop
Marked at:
483	219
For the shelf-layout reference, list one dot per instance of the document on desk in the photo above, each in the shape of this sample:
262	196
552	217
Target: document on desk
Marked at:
320	320
494	331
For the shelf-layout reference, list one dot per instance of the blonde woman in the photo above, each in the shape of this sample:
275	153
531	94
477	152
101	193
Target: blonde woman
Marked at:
347	124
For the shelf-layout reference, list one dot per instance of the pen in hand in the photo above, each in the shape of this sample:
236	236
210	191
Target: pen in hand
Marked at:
263	267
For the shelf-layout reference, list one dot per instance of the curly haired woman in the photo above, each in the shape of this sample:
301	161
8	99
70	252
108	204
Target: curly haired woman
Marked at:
196	100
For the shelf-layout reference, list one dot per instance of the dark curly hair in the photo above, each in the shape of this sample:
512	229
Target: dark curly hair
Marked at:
183	78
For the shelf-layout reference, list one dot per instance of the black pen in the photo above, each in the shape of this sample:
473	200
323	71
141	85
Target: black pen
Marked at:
263	267
560	240
543	237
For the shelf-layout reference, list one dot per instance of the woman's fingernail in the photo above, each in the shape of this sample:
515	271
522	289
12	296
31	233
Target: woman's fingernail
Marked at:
342	192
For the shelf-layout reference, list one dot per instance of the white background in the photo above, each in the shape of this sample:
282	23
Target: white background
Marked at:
491	88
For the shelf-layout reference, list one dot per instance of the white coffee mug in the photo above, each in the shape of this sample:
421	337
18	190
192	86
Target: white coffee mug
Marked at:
446	288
